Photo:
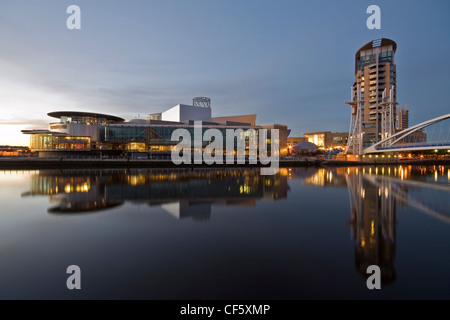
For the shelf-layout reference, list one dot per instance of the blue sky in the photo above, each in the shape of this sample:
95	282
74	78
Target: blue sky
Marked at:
289	61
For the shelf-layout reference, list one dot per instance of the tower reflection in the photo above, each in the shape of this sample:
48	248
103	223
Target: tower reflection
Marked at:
182	193
373	222
375	193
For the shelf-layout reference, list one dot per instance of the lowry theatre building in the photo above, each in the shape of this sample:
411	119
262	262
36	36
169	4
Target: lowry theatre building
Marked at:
100	135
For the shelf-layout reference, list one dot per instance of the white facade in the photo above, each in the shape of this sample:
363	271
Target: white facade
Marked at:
183	112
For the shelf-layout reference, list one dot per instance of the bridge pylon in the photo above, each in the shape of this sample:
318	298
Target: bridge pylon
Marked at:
355	134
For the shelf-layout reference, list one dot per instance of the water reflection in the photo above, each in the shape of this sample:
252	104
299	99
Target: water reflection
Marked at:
182	193
373	224
374	195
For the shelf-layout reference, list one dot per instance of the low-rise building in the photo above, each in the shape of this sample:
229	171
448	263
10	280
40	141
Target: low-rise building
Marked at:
327	140
95	134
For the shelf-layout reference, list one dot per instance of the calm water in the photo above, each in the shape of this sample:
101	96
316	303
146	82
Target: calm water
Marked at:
306	233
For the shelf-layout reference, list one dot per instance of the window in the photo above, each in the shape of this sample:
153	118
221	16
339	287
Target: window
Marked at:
369	125
317	139
137	147
338	140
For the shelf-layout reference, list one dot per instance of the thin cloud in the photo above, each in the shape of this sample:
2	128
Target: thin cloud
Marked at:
25	122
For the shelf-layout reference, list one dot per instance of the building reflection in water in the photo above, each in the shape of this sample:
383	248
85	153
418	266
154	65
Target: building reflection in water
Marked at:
373	211
375	193
182	193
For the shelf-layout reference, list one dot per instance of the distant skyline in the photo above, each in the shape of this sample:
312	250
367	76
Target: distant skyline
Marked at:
288	61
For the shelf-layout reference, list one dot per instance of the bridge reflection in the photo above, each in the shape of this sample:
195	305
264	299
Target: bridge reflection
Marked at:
375	193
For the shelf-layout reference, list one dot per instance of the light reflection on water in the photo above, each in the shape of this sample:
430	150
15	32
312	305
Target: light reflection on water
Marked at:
247	236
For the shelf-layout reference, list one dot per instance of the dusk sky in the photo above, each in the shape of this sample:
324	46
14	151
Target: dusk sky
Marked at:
288	61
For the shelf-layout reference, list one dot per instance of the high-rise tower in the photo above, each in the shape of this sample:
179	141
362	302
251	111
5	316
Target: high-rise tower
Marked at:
373	95
402	119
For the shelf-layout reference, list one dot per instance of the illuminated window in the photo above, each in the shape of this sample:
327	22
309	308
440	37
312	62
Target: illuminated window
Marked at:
317	139
137	147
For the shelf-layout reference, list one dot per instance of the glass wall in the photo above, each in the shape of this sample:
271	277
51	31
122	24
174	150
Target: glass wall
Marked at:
84	120
51	142
127	134
385	56
137	147
152	135
317	139
158	138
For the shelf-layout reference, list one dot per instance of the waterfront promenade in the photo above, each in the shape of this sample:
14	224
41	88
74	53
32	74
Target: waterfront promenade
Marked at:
42	163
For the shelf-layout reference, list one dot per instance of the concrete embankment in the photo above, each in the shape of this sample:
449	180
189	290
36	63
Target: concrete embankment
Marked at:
38	163
418	162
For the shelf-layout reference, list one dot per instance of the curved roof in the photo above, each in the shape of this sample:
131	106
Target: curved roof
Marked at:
42	131
82	208
378	43
305	145
59	114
